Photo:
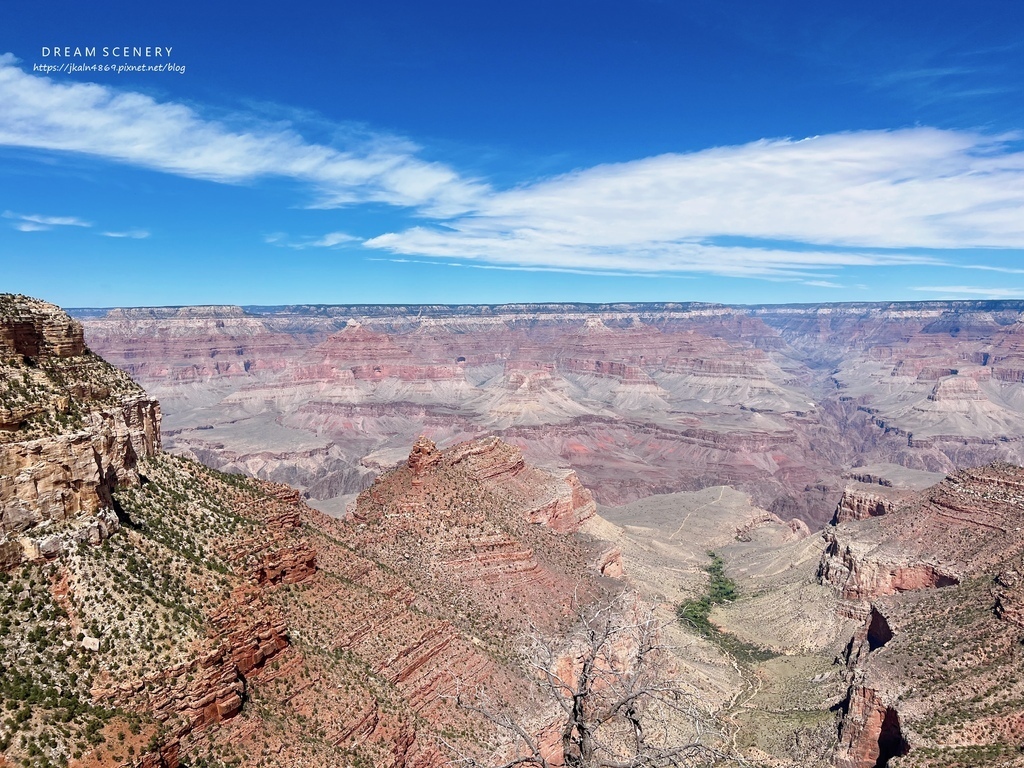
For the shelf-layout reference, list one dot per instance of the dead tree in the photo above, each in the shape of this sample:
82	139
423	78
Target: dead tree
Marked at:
619	704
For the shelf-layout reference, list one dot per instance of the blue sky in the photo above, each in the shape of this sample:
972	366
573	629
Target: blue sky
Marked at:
404	152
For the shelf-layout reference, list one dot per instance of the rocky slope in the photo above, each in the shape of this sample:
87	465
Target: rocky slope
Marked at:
934	580
636	398
157	613
226	623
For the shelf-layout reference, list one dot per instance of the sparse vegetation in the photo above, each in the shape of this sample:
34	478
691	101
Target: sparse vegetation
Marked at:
695	614
46	711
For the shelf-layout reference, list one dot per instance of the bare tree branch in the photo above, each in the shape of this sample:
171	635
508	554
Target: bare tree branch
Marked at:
621	707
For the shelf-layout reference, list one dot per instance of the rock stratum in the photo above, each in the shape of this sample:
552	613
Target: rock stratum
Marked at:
933	672
157	613
781	402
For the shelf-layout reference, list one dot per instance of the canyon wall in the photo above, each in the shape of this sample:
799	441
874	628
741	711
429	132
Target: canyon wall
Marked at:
934	578
636	398
72	430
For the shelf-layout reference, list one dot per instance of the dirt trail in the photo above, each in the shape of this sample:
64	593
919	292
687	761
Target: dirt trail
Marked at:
689	514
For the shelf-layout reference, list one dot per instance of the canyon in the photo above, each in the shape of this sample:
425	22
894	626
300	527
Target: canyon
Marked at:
165	614
781	402
160	613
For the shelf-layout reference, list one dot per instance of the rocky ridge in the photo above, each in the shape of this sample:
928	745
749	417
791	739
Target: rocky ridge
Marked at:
933	579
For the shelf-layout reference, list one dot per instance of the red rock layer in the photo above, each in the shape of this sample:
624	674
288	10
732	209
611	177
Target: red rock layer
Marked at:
478	520
871	733
368	642
960	527
833	383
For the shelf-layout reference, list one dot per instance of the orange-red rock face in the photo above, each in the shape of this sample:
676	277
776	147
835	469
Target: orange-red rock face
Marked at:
858	503
871	730
477	520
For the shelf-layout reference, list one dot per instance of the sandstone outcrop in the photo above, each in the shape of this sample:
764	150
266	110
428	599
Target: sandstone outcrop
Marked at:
35	329
870	734
244	635
936	581
74	430
859	503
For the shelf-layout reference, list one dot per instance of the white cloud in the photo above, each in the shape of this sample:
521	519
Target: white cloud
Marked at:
969	290
780	208
28	226
134	128
330	240
841	200
504	268
134	234
1005	270
539	248
34	222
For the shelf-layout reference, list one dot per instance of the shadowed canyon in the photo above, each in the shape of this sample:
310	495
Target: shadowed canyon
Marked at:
772	536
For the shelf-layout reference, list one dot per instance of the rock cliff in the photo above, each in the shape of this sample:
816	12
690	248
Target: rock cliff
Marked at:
935	581
72	430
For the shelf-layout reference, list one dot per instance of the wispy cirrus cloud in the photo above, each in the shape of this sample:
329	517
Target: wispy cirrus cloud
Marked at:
923	76
136	129
330	240
34	222
771	209
516	268
961	291
132	234
823	284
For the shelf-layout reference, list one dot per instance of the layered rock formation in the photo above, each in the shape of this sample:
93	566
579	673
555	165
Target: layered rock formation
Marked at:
935	580
636	398
72	429
476	520
415	601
